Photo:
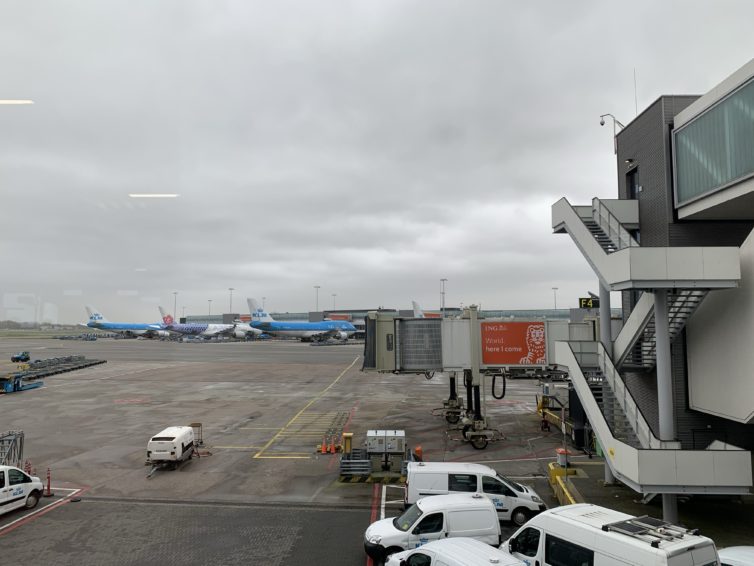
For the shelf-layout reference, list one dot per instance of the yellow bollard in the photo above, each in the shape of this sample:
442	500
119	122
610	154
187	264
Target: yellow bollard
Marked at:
347	442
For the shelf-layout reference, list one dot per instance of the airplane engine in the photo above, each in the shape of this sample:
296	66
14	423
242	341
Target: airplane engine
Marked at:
342	336
163	334
239	334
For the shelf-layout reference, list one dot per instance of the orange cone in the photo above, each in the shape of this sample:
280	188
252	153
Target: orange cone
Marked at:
323	448
332	445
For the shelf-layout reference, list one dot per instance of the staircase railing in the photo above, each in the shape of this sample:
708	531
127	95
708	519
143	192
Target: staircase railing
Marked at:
625	400
611	226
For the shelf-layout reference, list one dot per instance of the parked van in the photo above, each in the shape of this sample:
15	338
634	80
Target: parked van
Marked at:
513	501
434	518
592	535
18	489
174	444
454	552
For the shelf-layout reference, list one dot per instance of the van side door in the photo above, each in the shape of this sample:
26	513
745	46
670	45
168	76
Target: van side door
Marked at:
429	528
20	486
4	493
501	495
527	546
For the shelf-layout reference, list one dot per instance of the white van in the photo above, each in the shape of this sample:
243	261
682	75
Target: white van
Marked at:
434	518
513	501
596	536
174	444
454	552
18	489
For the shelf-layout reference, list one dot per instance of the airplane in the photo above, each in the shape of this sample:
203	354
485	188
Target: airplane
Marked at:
419	312
307	331
239	330
98	321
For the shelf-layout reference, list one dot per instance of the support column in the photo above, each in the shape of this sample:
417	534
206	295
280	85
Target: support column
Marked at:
665	407
606	337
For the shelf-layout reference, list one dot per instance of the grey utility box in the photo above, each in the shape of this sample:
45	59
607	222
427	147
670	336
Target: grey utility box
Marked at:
386	441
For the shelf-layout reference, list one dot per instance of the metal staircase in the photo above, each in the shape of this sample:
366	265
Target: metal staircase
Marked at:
599	234
611	409
682	303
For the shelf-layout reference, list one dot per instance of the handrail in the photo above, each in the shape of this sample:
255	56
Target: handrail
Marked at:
612	227
633	412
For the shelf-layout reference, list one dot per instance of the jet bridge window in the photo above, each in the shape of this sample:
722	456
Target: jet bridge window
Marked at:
559	552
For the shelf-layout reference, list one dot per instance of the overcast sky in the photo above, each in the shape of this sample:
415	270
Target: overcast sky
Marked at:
371	148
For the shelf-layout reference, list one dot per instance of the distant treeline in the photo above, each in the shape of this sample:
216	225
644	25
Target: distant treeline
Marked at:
13	325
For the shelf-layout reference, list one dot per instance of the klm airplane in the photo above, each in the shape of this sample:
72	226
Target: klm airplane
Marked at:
307	331
96	320
239	330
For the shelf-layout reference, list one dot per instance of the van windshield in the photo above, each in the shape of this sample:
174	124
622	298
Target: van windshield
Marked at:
403	522
517	486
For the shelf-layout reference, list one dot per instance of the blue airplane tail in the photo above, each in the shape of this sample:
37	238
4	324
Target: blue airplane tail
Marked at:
258	314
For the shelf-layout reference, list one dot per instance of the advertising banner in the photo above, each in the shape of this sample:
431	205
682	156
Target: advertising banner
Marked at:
514	344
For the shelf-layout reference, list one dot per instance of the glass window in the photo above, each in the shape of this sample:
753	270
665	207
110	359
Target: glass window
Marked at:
2	479
430	524
419	559
462	482
717	147
516	486
527	543
559	552
16	477
496	487
404	521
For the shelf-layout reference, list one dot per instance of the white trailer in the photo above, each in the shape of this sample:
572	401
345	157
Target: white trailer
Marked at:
170	447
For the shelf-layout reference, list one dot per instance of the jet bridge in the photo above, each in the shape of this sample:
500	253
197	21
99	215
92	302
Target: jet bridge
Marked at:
476	349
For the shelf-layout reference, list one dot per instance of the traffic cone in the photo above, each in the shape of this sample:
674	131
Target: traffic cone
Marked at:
332	445
323	448
27	467
48	492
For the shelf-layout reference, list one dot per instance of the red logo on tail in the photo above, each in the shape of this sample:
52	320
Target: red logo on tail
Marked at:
167	319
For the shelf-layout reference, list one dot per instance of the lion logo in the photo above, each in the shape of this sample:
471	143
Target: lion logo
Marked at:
535	343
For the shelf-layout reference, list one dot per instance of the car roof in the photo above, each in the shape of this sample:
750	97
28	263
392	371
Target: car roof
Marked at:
737	555
174	431
471	552
440	502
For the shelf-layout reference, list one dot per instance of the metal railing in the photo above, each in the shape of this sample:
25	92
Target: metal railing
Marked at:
611	226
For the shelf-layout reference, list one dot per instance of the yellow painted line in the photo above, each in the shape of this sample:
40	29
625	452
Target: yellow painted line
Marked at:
237	447
309	404
259	428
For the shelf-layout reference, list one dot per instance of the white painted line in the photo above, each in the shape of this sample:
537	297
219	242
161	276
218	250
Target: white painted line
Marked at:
382	503
57	502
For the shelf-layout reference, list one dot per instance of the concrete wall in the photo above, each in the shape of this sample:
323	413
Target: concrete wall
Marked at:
721	356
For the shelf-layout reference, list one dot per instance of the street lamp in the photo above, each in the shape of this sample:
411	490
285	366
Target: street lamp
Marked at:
263	300
442	281
183	312
230	307
209	309
333	300
616	124
316	298
555	297
175	302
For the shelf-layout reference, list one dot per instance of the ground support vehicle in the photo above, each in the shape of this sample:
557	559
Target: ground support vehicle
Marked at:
18	489
454	552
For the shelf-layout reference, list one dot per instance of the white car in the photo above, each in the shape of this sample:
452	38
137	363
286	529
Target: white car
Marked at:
18	489
737	556
453	552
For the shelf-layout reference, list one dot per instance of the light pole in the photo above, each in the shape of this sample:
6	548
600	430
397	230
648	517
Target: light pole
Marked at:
442	292
316	298
333	300
555	297
209	309
175	302
616	124
230	307
263	300
183	312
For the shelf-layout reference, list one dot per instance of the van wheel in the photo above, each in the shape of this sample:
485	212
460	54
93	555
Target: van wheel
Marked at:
452	418
32	500
479	442
520	516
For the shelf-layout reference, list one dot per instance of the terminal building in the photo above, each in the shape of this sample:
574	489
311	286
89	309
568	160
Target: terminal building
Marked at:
671	396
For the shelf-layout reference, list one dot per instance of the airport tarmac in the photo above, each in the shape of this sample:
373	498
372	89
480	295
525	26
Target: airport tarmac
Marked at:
264	407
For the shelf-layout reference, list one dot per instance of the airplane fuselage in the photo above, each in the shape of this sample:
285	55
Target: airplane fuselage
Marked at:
129	328
308	330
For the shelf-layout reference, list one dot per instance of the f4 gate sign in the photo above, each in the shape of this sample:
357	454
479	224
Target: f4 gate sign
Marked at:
514	344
